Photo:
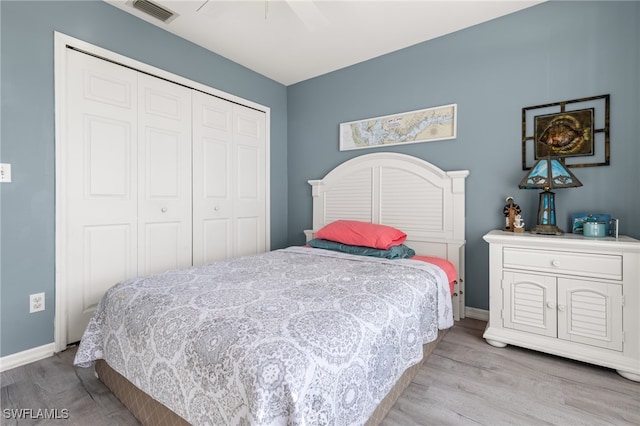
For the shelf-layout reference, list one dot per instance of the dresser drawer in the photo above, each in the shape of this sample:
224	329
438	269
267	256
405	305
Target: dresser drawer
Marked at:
558	262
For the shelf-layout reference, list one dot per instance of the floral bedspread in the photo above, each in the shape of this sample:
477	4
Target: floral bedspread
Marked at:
292	336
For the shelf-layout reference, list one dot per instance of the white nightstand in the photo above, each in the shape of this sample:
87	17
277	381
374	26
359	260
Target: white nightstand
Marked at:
567	295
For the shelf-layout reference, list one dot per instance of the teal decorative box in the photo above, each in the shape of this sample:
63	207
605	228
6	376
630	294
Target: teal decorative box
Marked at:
578	219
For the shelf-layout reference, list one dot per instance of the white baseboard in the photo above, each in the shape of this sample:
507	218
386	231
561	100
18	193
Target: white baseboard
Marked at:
26	357
475	313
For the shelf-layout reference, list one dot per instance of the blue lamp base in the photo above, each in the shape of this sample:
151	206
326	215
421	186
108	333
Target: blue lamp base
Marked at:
547	215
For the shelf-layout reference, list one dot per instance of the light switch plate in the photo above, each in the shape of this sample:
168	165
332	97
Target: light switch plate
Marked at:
5	172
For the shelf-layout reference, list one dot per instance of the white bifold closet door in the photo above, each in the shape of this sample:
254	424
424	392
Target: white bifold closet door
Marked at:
164	175
100	184
148	185
229	184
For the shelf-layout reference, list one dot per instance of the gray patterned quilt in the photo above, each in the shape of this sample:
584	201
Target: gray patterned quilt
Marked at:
293	336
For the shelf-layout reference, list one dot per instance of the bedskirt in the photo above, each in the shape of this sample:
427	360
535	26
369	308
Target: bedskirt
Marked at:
151	412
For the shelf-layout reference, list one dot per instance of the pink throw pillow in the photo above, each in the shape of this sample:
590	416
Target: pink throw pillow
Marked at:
363	234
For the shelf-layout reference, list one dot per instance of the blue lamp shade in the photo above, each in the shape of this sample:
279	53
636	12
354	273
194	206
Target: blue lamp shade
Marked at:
549	173
546	174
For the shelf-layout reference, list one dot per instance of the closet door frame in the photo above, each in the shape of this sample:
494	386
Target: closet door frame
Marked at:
62	43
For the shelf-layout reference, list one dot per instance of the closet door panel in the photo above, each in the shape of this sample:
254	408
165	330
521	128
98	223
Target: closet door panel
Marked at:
164	176
216	240
215	167
105	242
162	164
99	179
212	179
107	158
249	197
247	232
216	216
160	240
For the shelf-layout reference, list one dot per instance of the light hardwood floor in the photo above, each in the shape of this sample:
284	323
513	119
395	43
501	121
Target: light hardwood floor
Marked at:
464	382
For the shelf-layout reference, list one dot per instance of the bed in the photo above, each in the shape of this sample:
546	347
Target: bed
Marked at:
403	191
301	335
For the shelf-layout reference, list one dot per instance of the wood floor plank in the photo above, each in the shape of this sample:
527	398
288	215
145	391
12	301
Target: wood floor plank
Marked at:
54	384
464	382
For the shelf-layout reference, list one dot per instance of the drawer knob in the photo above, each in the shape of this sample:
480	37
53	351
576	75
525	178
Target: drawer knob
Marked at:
551	305
561	307
163	210
555	263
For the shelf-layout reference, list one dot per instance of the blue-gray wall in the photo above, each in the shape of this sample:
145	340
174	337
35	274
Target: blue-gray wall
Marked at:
27	138
551	52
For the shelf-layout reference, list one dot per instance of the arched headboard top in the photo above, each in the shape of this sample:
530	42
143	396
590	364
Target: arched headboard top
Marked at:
394	189
389	159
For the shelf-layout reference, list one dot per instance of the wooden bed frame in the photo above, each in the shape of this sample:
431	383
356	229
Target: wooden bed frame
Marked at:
387	188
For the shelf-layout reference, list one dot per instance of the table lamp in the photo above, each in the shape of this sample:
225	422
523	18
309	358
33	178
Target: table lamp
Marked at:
547	174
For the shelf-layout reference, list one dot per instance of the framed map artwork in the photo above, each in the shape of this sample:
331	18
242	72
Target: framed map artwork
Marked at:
425	125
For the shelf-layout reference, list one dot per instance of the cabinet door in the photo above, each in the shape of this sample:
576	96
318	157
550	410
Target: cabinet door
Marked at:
529	303
590	313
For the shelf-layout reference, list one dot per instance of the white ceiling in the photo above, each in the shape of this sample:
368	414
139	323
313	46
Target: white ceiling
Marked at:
293	40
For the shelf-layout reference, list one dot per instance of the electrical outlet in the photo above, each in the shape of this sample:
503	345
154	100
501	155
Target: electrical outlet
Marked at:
5	172
36	302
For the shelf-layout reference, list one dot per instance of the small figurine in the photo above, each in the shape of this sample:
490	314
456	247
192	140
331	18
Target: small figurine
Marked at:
510	211
518	224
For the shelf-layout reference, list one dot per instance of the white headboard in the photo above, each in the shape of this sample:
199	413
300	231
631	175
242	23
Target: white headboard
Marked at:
402	191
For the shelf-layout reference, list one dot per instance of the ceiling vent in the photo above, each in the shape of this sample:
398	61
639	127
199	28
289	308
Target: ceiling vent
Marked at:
154	9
